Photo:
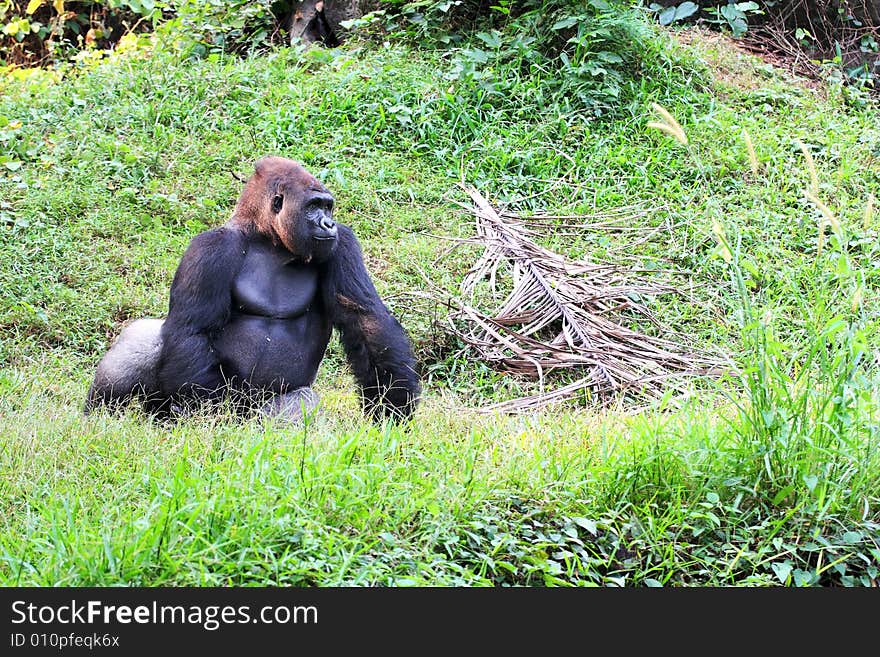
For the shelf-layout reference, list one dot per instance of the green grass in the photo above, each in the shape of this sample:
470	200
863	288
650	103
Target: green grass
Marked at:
771	477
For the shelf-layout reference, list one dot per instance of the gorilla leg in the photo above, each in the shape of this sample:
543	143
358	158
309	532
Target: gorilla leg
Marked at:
291	406
128	369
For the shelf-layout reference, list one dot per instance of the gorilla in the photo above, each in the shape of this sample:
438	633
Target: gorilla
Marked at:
252	307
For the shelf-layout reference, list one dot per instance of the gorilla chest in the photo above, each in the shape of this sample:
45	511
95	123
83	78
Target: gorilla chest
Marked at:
277	330
271	285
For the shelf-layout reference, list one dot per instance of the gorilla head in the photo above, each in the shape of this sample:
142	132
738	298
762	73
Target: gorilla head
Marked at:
285	202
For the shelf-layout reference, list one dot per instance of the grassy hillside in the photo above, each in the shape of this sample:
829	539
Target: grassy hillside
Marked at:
771	477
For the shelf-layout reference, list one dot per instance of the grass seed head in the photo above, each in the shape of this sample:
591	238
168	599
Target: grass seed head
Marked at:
811	166
669	125
753	157
857	299
827	214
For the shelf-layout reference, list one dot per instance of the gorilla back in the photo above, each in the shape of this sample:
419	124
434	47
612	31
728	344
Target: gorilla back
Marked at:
252	308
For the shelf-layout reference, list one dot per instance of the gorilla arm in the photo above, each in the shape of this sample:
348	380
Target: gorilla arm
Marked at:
375	343
200	304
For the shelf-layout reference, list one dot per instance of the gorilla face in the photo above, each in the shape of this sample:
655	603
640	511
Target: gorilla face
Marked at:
285	201
304	220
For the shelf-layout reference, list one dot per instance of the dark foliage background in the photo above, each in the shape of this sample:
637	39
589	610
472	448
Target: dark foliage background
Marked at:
815	35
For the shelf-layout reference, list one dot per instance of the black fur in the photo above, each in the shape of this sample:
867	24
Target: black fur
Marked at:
375	343
199	308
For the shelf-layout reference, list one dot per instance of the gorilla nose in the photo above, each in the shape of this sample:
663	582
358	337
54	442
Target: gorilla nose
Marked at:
328	225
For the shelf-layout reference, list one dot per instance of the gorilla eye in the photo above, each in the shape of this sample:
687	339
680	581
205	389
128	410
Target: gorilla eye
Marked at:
277	202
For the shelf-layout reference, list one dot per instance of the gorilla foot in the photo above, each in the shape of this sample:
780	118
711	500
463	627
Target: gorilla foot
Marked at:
291	407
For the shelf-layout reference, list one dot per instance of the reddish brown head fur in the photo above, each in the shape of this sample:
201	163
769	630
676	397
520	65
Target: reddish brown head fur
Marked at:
273	177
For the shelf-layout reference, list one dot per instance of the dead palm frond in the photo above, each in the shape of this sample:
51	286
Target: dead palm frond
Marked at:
560	313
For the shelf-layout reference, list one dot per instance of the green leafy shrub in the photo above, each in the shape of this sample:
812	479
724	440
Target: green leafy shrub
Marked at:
527	57
830	37
200	27
41	31
579	60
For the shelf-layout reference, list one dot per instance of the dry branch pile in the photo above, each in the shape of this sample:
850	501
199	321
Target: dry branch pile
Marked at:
805	32
564	314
